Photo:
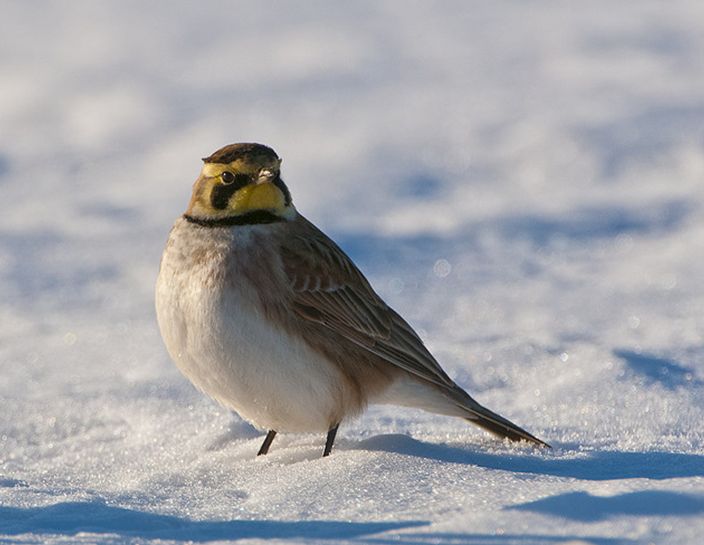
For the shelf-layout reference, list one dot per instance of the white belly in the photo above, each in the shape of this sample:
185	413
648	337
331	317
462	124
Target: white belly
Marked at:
219	339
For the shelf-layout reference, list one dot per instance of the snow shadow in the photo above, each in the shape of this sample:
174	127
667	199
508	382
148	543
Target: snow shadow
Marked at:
596	466
452	538
70	518
34	272
584	507
583	225
643	137
4	165
668	373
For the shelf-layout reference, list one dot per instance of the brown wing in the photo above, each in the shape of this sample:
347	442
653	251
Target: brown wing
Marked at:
330	290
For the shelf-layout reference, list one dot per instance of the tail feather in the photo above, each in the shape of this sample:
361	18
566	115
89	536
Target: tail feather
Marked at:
452	400
497	424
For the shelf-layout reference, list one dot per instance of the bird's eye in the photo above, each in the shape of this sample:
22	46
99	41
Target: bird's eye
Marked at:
227	177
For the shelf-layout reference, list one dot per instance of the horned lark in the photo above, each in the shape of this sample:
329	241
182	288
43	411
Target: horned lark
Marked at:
267	315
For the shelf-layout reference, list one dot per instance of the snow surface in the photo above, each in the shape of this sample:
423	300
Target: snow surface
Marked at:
524	181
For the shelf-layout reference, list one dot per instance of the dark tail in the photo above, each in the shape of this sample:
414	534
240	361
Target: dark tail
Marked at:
496	424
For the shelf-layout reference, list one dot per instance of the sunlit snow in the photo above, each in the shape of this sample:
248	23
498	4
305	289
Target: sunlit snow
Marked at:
523	181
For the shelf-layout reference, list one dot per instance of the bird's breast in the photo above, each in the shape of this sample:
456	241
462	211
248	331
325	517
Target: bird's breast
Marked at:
215	329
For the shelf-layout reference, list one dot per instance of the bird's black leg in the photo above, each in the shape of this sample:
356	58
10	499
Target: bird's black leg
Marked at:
267	443
330	440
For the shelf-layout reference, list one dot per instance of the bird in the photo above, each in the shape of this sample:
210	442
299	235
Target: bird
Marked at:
264	313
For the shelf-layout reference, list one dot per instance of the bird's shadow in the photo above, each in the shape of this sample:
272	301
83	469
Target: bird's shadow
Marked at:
591	466
598	465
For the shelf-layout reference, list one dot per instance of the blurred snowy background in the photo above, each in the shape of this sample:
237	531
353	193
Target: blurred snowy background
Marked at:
524	181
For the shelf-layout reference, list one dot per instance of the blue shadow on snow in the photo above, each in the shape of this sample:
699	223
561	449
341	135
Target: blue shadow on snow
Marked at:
70	518
456	538
655	370
596	466
584	225
584	507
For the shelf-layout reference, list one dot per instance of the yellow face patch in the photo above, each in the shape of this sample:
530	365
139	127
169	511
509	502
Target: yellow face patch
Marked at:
213	199
264	196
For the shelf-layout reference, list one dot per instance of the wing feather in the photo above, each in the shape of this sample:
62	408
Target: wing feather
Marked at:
330	290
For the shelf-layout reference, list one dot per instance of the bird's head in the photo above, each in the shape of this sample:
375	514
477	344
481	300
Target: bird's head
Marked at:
240	181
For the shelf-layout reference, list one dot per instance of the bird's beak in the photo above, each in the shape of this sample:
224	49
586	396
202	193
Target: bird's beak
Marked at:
265	175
